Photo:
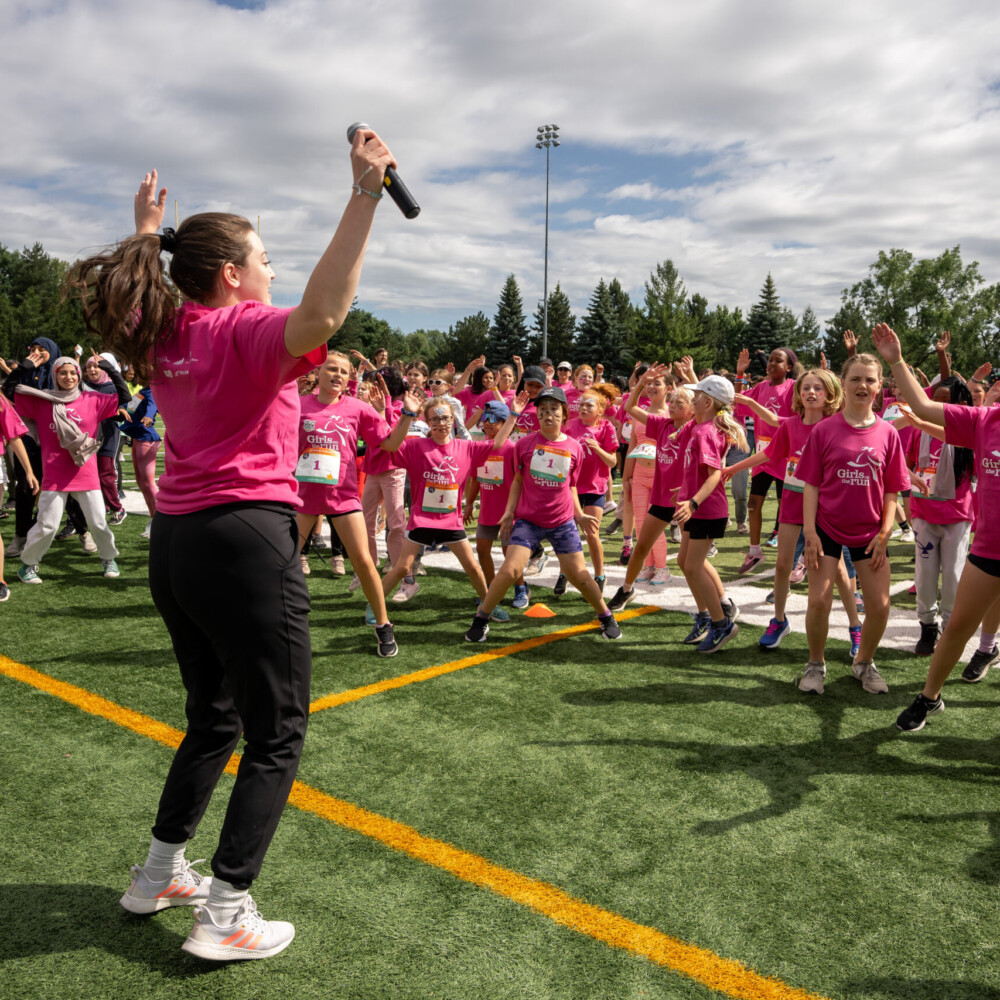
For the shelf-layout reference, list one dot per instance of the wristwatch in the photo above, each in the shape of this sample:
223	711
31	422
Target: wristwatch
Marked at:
694	504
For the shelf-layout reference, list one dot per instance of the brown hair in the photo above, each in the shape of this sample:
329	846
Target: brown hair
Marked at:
126	298
862	359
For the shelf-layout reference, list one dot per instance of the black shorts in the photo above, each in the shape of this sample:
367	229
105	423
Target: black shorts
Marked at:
592	500
761	483
436	536
987	565
661	513
490	531
835	549
706	527
906	493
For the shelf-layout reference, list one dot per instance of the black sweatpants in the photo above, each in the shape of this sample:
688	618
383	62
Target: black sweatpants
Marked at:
229	585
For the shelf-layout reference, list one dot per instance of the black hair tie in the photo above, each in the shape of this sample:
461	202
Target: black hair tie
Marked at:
168	240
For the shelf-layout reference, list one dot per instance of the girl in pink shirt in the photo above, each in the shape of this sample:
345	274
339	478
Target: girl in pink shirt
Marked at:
852	469
12	429
330	426
600	444
978	594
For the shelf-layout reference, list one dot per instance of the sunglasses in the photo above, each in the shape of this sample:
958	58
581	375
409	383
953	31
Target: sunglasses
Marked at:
436	381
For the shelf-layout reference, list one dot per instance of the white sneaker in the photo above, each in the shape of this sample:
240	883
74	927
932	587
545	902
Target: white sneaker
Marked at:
147	529
338	569
742	528
712	552
660	577
15	545
304	560
675	534
646	574
405	592
355	582
248	936
88	544
184	888
812	678
871	679
906	536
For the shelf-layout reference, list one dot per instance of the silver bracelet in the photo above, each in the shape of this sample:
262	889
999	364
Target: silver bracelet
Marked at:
358	189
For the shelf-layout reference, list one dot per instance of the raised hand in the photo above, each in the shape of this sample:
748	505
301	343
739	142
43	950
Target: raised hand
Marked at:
982	371
148	208
886	342
823	363
410	401
993	394
942	342
654	372
850	342
519	402
743	362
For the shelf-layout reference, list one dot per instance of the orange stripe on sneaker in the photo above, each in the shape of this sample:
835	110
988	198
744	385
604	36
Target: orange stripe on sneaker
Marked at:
724	975
234	939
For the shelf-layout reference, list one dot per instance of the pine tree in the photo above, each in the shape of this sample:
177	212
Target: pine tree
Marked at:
667	329
562	328
769	325
509	335
808	339
600	336
467	339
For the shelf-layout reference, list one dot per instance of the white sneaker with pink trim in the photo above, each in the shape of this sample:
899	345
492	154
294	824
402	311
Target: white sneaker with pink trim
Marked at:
184	888
248	936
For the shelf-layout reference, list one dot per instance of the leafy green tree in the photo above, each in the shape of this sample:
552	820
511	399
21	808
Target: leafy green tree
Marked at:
725	333
562	328
600	336
428	346
769	324
365	332
510	330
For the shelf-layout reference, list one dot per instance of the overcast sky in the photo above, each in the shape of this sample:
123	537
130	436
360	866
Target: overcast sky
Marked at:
733	138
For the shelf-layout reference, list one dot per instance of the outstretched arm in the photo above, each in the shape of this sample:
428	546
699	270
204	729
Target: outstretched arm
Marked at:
887	344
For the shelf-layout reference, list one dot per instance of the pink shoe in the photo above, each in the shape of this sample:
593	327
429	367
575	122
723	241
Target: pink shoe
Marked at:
750	562
798	572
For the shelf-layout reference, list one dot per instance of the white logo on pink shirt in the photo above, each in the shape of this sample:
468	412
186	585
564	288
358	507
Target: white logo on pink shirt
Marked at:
861	469
445	471
991	466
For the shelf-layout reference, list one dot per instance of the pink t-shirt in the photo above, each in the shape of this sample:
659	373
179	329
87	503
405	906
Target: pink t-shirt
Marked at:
226	389
978	428
853	468
526	423
705	449
495	477
377	461
548	470
786	449
572	399
670	447
465	397
594	474
931	508
326	471
437	473
60	474
777	399
11	425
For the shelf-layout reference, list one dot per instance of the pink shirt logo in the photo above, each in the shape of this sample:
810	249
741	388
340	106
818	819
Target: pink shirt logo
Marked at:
444	471
861	471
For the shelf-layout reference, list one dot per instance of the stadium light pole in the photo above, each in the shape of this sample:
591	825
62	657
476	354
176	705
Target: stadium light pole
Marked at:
548	136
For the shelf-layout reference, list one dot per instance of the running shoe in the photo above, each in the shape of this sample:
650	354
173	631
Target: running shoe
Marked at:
418	569
646	574
774	633
248	936
906	535
184	888
355	583
811	681
369	615
28	574
613	527
770	597
320	543
798	573
117	516
609	628
111	570
600	581
702	624
661	577
718	636
337	567
712	551
772	542
68	531
522	596
499	615
304	560
855	631
914	718
742	528
536	564
478	630
4	592
752	561
87	543
871	679
405	592
626	555
979	666
386	640
560	587
15	545
621	598
730	609
147	530
859	602
675	534
929	635
913	589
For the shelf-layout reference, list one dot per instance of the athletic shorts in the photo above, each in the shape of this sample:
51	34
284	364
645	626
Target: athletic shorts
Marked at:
661	513
906	493
490	531
592	500
761	483
436	536
705	527
564	538
835	549
987	565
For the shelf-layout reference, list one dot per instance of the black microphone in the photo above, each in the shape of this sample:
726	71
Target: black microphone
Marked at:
398	191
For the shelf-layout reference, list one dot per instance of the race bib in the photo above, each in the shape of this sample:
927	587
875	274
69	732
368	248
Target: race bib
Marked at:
440	498
645	450
762	442
491	473
627	431
791	482
550	463
319	465
134	403
929	474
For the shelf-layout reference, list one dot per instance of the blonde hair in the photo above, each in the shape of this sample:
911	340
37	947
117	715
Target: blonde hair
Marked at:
729	425
681	393
831	386
444	374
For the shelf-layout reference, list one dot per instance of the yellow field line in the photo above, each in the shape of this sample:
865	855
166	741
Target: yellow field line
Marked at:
722	974
391	683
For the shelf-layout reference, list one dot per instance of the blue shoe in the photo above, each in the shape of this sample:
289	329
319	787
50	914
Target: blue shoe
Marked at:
369	615
855	631
776	631
702	624
522	596
499	615
718	637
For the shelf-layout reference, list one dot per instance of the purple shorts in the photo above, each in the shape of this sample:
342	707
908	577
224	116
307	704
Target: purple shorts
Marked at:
564	538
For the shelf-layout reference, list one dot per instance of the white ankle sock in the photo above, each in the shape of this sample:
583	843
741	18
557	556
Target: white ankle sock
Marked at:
164	860
224	901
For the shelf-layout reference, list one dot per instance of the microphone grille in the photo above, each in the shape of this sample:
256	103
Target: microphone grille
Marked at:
351	129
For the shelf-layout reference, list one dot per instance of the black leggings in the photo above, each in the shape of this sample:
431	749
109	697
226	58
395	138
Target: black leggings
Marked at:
229	585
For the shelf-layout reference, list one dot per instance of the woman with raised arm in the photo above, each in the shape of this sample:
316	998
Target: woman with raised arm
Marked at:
977	428
224	566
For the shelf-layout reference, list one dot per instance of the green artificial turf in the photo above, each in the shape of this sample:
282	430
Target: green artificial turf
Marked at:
702	796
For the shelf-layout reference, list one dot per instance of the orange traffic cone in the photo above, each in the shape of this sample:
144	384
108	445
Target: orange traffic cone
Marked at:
539	611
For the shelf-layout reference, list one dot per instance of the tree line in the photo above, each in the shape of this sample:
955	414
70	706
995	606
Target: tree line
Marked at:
919	298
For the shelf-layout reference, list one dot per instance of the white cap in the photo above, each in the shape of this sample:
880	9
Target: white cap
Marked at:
719	388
